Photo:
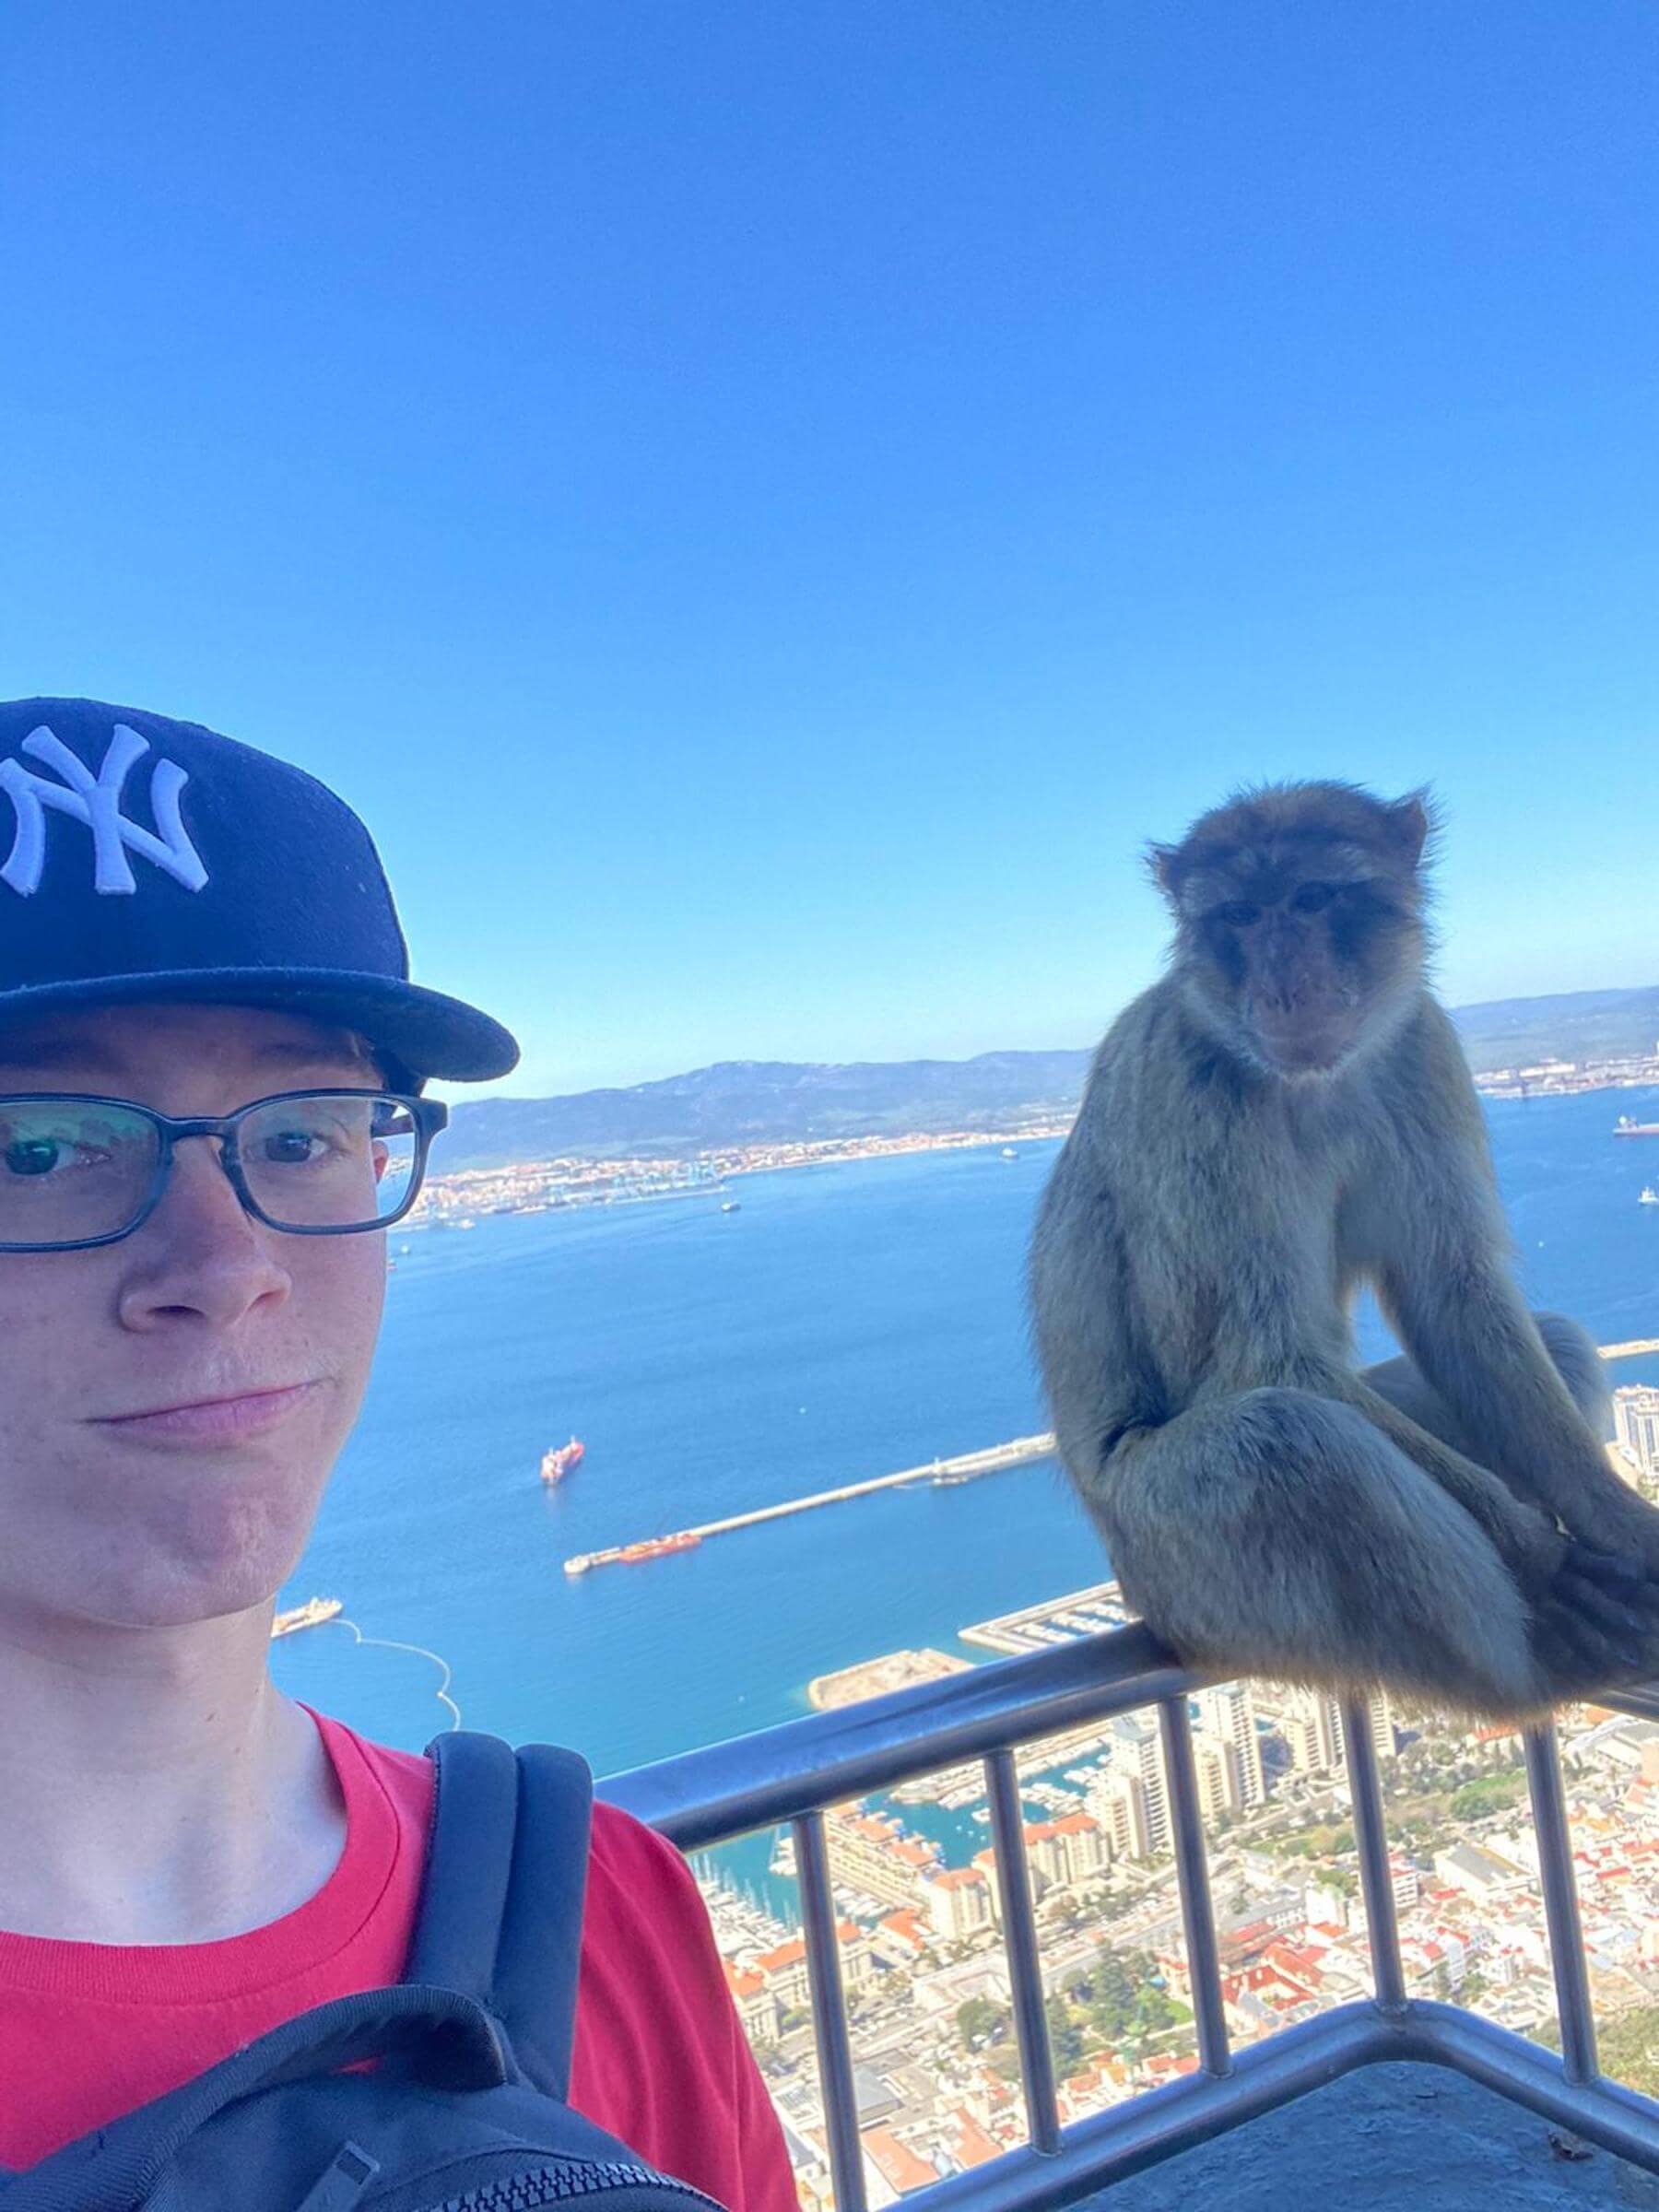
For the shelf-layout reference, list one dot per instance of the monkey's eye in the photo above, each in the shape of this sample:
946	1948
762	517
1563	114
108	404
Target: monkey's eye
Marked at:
1239	912
1312	896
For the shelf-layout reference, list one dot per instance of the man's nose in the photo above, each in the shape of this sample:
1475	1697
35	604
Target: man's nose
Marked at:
200	1252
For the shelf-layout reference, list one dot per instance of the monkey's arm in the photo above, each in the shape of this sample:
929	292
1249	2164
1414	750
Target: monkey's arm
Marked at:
1524	1538
1476	1343
1443	1279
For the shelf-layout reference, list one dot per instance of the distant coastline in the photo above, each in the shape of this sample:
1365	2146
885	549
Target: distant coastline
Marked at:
573	1179
680	1132
554	1185
1569	1078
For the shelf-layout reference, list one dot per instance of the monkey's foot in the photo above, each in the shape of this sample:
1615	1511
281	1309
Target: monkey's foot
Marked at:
1598	1623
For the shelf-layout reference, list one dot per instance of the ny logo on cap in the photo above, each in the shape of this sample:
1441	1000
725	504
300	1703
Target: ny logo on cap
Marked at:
95	800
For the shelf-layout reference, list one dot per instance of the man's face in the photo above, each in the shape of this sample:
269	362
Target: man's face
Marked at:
122	1521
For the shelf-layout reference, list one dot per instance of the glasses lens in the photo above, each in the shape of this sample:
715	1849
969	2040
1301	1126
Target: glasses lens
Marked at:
71	1169
330	1160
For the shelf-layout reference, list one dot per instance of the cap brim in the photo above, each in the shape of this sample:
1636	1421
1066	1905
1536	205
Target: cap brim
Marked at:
426	1032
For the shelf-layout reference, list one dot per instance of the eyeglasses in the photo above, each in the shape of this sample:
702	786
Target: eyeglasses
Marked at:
77	1171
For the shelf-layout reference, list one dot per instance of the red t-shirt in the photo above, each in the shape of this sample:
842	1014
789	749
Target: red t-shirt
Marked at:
88	2031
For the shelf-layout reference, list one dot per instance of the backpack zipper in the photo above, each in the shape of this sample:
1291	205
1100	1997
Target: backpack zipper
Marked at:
553	2186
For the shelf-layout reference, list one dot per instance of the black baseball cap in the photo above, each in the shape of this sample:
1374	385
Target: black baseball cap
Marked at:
154	859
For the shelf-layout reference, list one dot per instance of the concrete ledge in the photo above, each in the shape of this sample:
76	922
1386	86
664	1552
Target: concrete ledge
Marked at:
1396	2135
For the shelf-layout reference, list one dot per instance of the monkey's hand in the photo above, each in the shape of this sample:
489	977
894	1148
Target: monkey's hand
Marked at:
1595	1623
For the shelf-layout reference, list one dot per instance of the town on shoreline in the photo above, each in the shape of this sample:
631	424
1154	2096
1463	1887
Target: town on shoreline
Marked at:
540	1186
462	1198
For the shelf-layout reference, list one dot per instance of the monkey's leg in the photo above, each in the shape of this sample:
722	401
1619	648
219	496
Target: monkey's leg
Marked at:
1277	1532
1598	1618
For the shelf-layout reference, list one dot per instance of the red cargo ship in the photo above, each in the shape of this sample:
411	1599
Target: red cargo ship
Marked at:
557	1464
653	1548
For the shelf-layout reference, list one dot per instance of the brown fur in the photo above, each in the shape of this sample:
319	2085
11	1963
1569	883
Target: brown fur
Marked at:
1285	1116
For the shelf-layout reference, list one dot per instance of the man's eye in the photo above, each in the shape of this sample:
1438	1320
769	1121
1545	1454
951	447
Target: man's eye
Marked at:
1312	896
1238	913
293	1147
39	1156
31	1156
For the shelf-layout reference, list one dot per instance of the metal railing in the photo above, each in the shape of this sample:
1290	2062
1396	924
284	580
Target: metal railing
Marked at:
790	1774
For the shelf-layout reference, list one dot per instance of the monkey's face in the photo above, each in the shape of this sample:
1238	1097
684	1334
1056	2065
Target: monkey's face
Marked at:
1301	935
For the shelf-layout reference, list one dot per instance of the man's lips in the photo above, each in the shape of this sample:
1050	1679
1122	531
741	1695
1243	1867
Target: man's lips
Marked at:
211	1420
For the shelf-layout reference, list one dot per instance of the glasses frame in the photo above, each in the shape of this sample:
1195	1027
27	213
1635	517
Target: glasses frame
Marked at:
429	1115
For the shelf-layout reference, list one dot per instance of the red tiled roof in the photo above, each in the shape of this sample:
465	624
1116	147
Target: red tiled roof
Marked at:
896	2162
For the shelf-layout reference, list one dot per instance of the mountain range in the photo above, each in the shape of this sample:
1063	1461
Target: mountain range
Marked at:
783	1102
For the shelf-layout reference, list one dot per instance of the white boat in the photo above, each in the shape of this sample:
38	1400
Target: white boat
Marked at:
311	1614
1650	1196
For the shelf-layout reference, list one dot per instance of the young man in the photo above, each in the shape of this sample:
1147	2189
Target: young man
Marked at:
187	1317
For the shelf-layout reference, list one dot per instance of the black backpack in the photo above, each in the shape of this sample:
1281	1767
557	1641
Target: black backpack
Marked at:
464	2110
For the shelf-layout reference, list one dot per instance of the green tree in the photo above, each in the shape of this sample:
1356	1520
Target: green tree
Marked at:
978	2022
1487	1794
1124	2004
1628	2046
1067	2042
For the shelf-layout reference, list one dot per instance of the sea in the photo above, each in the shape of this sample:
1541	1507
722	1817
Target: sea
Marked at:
846	1321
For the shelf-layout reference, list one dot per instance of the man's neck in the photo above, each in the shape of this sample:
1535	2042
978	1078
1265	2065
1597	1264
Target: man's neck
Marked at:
158	1787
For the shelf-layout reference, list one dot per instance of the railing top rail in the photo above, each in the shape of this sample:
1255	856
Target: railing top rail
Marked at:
791	1773
778	1773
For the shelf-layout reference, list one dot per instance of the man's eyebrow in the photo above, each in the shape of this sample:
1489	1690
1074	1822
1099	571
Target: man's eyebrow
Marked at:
331	1048
87	1051
53	1052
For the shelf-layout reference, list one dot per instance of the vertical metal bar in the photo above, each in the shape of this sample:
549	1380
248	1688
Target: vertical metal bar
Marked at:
1019	1940
1560	1904
1375	1880
1192	1869
829	2014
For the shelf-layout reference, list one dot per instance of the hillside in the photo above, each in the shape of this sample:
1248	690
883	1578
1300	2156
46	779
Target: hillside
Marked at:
1579	1025
783	1102
769	1102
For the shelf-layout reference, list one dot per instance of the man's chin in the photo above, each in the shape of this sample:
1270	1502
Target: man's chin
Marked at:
193	1543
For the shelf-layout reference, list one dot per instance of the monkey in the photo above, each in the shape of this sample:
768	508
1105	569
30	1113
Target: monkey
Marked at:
1285	1117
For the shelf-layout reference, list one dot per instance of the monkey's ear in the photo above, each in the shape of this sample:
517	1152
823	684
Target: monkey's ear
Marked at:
1410	823
1161	864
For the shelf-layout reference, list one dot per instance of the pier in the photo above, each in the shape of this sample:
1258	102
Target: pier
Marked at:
965	1468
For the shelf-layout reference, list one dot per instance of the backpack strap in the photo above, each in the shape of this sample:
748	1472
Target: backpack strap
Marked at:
506	1880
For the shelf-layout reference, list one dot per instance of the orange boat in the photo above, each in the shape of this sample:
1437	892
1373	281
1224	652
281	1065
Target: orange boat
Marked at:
654	1546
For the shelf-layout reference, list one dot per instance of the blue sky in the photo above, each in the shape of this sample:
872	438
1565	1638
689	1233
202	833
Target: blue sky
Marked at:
767	509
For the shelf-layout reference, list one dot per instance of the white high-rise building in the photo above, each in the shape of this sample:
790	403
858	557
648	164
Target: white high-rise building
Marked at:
1118	1801
1136	1747
1636	1426
1312	1728
1230	1711
1382	1723
1216	1770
